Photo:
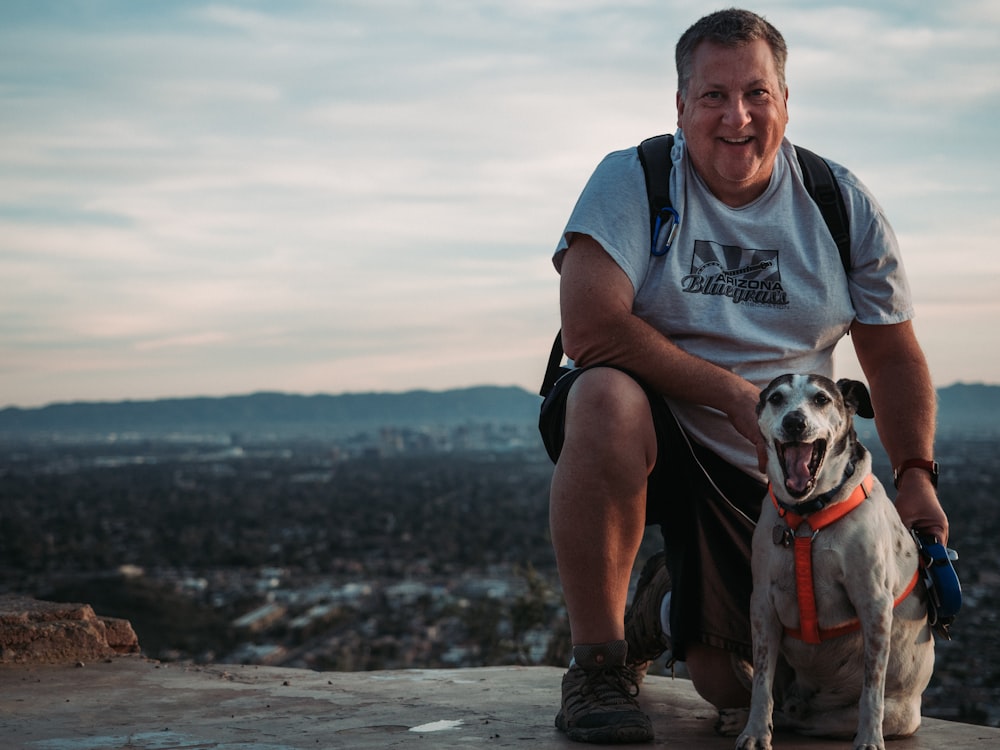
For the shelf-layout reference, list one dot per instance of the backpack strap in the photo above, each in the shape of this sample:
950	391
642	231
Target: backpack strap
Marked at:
554	369
654	155
823	189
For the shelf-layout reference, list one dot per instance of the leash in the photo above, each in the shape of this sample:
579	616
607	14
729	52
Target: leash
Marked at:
809	629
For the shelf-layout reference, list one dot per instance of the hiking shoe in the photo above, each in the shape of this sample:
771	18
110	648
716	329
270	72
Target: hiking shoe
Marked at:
643	631
598	698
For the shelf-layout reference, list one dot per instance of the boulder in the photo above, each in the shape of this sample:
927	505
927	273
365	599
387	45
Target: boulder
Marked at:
37	632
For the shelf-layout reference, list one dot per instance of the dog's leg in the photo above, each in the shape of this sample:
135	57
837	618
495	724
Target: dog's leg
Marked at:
876	628
766	629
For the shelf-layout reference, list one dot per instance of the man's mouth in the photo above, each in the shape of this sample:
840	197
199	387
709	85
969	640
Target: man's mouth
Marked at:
737	141
801	463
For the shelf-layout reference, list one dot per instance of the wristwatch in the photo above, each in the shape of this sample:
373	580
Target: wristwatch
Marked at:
931	467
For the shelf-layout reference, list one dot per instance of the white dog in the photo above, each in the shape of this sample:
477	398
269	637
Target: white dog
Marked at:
849	643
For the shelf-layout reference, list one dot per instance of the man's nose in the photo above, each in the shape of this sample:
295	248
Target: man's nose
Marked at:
737	112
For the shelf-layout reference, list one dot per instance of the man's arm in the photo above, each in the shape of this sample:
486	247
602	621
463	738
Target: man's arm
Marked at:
598	326
905	410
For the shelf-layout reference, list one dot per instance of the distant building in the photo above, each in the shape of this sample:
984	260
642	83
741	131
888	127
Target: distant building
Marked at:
261	618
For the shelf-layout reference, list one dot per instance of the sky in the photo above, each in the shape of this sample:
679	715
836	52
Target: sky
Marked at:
218	198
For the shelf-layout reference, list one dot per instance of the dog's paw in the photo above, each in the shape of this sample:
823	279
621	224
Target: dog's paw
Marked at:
869	736
749	742
869	743
731	721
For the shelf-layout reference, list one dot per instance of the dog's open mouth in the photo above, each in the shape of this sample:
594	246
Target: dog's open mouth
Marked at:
801	463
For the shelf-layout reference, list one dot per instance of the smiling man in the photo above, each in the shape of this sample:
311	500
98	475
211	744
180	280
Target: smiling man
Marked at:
733	113
655	423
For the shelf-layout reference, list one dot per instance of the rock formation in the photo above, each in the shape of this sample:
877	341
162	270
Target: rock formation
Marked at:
36	632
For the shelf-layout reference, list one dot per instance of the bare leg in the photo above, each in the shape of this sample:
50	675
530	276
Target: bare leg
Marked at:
597	507
714	678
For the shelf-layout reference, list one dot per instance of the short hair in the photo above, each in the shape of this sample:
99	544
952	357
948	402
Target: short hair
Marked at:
731	28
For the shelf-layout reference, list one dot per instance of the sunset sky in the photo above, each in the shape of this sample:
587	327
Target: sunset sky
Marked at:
215	198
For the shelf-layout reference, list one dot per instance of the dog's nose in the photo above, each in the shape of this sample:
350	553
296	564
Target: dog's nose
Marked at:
794	424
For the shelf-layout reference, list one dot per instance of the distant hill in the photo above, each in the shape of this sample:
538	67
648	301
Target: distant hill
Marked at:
276	414
972	408
963	408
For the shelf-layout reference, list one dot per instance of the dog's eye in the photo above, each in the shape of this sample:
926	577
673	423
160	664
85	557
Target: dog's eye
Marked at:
821	399
776	399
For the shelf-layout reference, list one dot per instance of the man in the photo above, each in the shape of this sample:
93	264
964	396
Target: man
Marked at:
656	423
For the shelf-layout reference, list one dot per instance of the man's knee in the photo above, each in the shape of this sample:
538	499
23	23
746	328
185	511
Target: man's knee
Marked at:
609	405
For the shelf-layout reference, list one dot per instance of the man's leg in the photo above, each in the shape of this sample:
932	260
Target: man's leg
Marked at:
597	518
715	677
598	499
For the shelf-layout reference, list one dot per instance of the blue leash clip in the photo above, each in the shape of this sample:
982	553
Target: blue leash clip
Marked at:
944	592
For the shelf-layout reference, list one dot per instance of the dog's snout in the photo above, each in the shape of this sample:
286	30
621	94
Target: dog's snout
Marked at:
794	424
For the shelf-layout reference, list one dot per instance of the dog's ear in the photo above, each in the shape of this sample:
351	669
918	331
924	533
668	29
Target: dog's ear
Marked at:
856	396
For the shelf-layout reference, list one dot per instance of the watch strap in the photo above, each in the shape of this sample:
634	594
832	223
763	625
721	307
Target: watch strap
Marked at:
928	465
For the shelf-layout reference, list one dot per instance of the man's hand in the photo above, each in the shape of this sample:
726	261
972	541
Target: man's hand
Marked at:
918	505
743	417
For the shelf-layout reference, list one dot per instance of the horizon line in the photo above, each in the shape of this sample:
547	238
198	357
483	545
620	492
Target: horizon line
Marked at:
296	394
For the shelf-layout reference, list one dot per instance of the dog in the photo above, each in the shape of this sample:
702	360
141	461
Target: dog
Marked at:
850	652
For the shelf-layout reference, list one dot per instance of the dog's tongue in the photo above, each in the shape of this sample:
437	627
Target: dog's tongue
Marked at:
798	457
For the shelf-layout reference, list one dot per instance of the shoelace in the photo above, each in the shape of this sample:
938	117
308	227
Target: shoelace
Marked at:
611	685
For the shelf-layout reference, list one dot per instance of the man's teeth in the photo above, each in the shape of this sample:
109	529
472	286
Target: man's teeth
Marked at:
737	141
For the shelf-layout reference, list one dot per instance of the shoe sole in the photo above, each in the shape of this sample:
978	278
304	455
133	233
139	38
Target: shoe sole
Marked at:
607	735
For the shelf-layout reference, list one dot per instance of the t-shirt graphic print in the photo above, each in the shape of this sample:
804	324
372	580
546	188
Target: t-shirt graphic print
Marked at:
749	277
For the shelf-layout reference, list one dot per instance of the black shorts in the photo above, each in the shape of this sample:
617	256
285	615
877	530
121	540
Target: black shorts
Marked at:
706	509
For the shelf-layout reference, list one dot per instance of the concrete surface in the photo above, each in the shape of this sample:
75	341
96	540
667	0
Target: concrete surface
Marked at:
131	703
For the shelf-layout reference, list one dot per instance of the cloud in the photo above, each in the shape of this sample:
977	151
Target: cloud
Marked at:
215	197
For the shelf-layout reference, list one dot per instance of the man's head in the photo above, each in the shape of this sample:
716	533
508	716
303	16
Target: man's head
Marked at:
731	102
728	28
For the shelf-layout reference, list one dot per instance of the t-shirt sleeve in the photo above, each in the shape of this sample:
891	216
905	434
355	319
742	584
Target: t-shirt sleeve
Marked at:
880	291
614	210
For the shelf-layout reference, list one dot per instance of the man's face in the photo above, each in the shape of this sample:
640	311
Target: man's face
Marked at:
733	117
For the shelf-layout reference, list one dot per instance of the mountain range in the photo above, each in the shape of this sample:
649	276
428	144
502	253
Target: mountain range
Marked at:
963	408
276	414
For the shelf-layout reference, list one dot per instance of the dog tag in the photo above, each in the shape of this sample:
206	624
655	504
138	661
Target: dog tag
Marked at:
782	536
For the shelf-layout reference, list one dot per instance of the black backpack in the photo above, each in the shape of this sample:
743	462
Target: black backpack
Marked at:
654	155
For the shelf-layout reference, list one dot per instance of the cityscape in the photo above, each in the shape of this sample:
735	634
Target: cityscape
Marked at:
393	548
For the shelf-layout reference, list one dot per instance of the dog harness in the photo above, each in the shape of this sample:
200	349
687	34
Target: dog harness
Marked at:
809	629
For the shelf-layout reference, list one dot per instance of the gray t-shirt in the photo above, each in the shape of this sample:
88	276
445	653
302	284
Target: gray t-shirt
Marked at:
759	289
